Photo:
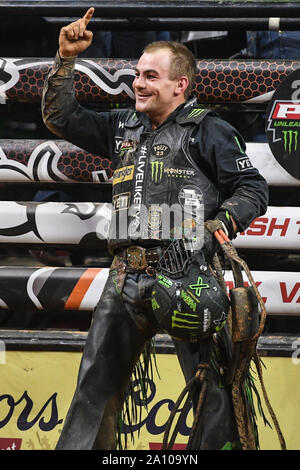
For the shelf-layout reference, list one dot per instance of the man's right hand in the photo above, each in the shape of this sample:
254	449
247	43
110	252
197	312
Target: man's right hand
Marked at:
75	38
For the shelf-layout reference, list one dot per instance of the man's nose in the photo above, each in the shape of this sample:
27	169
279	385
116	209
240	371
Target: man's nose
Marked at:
139	82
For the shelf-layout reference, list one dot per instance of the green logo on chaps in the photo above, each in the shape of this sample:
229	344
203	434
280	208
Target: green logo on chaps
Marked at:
185	320
290	140
188	300
164	281
199	286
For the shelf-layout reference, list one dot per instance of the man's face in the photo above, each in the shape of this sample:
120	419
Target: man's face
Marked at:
156	95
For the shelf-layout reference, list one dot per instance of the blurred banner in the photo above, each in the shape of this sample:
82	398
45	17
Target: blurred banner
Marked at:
36	392
52	289
87	223
57	161
109	81
278	228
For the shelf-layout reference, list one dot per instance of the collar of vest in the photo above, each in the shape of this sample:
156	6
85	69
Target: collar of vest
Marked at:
192	113
132	119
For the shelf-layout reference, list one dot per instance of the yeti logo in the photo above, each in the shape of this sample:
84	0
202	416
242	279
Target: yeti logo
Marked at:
244	163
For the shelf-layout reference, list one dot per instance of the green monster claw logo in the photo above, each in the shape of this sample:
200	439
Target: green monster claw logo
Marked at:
154	303
196	112
186	322
290	139
156	171
199	286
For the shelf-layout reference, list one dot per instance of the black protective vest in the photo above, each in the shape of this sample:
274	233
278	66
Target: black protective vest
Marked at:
155	177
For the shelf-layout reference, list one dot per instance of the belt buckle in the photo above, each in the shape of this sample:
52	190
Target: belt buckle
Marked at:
136	257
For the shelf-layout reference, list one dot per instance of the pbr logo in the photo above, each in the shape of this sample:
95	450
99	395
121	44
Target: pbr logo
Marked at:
283	124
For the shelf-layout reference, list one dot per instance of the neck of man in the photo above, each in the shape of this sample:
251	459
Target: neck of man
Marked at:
158	118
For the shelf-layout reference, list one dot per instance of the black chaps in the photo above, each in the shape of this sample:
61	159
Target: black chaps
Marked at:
121	326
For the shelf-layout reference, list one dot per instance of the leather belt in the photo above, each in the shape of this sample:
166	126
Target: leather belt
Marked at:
139	258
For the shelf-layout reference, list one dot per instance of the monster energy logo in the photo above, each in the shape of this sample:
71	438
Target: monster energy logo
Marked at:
185	320
156	170
290	139
164	281
188	300
196	112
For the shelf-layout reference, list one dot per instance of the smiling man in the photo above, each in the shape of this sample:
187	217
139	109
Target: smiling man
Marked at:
169	154
159	89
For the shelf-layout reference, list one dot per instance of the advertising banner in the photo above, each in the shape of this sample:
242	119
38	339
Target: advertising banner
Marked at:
58	290
58	161
36	392
87	223
109	81
283	122
280	291
50	161
55	223
270	168
278	228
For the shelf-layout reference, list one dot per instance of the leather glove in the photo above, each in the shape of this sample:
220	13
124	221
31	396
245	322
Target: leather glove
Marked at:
225	219
211	245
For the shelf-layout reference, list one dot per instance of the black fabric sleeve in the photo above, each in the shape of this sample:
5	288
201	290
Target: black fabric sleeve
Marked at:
88	129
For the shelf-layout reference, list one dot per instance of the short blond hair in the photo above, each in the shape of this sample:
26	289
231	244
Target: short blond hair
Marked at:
182	61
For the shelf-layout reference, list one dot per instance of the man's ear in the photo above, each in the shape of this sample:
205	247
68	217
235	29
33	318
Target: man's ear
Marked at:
182	84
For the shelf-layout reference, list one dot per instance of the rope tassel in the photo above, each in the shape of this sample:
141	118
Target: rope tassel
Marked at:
244	343
247	351
199	377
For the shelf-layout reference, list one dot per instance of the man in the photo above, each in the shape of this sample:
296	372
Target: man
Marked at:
166	151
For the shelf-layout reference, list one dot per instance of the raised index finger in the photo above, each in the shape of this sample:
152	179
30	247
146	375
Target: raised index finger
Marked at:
88	16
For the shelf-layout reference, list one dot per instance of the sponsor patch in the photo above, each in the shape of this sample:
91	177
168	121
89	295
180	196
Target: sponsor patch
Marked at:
125	147
123	174
188	300
189	321
121	201
128	145
118	143
164	281
155	217
244	163
160	150
179	172
206	320
198	286
157	170
190	197
220	322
